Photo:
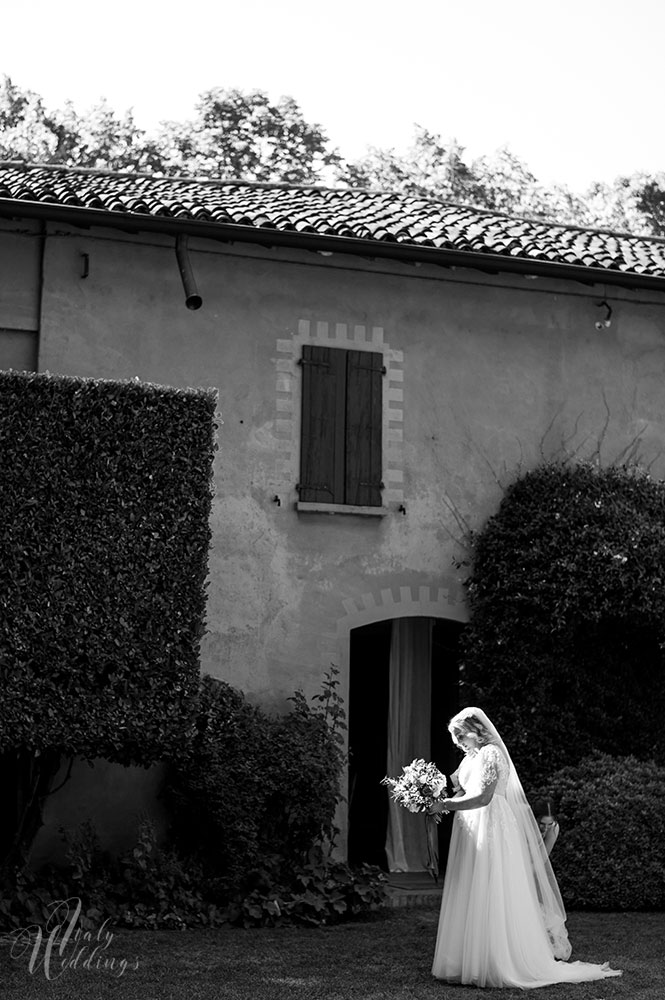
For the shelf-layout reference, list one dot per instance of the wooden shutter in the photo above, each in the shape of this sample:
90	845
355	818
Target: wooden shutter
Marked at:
364	415
323	420
342	414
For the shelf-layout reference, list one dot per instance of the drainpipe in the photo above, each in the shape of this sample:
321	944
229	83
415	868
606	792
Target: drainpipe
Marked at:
192	298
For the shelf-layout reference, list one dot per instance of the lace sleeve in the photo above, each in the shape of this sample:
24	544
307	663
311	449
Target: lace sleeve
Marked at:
490	766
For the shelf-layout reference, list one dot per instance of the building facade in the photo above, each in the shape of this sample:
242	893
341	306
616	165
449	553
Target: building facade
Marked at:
384	371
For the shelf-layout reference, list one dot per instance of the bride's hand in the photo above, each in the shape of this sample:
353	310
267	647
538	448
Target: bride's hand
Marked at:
439	807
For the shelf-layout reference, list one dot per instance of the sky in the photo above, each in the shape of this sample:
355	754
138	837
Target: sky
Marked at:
575	88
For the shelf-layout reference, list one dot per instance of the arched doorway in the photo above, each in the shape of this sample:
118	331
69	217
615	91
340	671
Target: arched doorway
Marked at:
369	686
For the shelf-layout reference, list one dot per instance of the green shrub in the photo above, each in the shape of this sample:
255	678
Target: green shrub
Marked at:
610	854
254	792
152	888
565	644
305	776
158	888
216	793
322	891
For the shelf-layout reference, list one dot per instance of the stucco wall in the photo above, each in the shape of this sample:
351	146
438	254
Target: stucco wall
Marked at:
116	799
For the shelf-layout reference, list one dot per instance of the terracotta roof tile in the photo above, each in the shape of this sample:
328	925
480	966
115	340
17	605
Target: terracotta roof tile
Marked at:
396	222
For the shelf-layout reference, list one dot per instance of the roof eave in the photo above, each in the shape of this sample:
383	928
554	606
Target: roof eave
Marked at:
132	222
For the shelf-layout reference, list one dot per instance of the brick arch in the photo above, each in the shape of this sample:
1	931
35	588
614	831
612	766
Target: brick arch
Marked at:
403	602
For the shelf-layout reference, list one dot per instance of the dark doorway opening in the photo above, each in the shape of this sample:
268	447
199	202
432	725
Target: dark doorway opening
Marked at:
368	732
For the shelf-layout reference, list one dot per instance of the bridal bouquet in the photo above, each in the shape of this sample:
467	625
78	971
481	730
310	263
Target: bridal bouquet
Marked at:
418	787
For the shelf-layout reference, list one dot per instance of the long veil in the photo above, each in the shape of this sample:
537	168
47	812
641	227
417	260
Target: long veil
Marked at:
537	863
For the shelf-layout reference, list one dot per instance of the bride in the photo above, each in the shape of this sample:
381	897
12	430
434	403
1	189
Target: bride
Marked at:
502	919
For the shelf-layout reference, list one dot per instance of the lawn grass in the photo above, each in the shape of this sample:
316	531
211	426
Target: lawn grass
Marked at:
387	957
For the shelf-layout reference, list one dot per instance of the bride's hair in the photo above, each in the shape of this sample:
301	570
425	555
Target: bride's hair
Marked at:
468	724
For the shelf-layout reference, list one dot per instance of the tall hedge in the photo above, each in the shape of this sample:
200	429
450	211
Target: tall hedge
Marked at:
105	492
567	631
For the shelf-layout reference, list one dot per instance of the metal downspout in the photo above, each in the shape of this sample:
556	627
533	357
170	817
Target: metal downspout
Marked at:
192	298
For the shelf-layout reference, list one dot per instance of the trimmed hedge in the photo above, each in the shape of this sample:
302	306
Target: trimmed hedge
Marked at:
105	496
610	854
565	646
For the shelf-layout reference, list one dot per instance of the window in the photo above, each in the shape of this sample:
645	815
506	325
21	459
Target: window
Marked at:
341	427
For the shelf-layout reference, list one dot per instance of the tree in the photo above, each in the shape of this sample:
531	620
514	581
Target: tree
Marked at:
634	204
245	135
650	201
233	135
27	131
97	138
429	167
505	183
500	182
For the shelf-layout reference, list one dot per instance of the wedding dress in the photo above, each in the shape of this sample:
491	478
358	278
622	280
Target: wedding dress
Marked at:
502	920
